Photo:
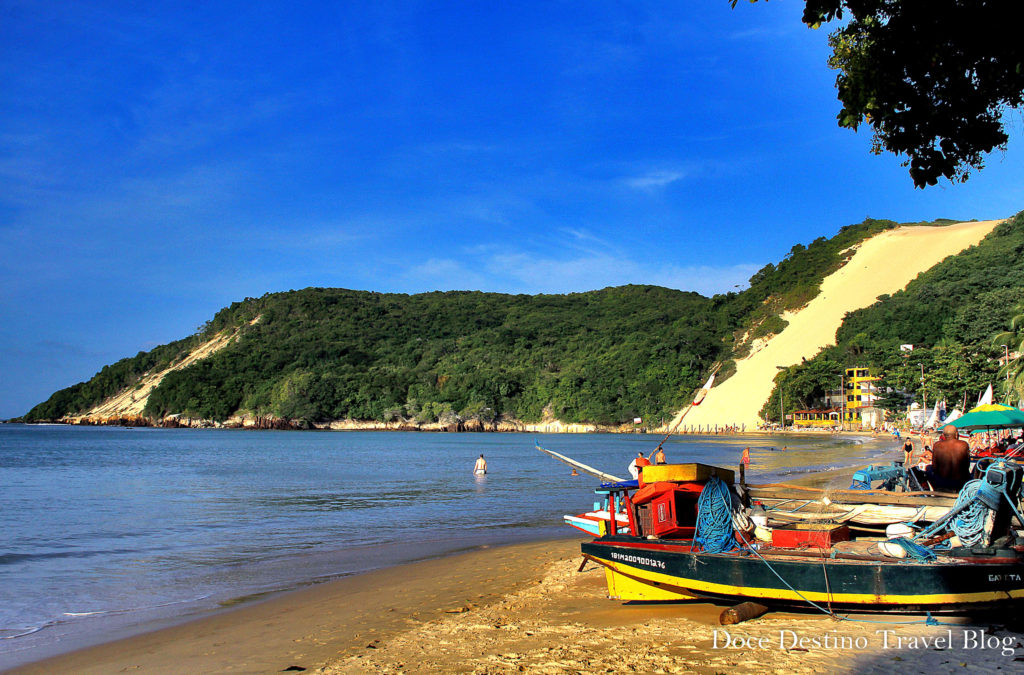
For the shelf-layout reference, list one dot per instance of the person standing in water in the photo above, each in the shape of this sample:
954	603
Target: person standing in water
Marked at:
480	468
660	457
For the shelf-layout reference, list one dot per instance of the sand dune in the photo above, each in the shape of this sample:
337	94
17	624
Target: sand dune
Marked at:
132	401
883	264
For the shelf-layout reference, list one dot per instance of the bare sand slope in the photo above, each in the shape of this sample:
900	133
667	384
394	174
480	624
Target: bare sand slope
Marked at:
132	401
883	264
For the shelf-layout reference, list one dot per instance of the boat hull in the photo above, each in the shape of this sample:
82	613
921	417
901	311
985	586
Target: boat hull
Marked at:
649	570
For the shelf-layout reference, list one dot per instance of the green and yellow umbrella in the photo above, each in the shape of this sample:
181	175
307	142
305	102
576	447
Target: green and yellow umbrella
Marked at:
990	416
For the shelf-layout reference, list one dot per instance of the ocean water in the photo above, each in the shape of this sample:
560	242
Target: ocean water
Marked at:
107	531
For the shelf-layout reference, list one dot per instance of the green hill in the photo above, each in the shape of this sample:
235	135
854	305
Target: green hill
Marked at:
603	356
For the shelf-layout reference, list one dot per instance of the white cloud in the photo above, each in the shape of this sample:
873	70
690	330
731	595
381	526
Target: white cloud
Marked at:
654	180
520	272
444	274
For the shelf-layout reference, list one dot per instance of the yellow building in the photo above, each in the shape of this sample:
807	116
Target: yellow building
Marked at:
825	418
861	392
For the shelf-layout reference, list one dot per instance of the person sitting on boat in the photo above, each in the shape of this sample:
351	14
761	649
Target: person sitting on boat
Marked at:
480	468
951	462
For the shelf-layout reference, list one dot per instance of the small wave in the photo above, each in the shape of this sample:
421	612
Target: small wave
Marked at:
102	612
125	610
30	631
816	469
799	471
12	558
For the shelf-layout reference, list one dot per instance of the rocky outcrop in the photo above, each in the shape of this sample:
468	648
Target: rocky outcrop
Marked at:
270	422
110	420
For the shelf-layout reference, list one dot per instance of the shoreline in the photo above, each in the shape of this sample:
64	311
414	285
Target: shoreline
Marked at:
309	626
533	608
553	428
244	624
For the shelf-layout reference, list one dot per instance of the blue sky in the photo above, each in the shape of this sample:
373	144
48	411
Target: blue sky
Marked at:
161	160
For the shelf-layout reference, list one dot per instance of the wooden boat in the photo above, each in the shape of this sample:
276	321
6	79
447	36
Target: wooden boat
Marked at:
591	522
668	553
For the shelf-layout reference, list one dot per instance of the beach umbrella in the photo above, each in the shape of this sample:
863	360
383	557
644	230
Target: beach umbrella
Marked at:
991	407
990	416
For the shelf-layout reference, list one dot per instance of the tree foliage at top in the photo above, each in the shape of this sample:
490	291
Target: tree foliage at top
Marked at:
931	77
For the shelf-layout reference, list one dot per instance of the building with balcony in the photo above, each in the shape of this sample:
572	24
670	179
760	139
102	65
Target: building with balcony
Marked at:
860	391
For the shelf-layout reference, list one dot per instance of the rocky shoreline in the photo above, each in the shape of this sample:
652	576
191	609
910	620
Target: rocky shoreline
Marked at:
269	422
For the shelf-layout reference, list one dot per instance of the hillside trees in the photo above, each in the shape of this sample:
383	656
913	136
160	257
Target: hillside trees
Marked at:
321	354
602	356
1011	374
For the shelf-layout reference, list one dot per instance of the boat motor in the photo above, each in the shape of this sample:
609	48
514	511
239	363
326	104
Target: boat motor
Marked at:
1005	476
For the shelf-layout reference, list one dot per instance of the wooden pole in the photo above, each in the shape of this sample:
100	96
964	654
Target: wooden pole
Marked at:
742	612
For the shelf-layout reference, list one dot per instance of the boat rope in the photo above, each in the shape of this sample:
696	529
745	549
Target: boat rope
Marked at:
969	523
915	550
725	497
967	517
828	587
715	531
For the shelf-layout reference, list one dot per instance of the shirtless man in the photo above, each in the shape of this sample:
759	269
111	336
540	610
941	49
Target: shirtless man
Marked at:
480	468
951	462
660	457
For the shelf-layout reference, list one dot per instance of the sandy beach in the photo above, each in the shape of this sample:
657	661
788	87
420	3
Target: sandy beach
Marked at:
310	627
531	608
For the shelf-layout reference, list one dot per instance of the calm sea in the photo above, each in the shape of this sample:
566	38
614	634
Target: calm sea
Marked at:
108	531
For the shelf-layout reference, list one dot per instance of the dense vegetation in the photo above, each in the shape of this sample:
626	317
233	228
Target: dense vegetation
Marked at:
603	356
1012	341
950	314
320	354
